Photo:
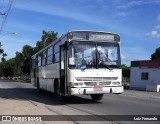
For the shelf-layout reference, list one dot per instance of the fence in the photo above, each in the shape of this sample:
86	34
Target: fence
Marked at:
18	78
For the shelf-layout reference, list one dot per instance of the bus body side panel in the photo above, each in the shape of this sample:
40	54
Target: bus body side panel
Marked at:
33	71
41	78
47	74
33	77
52	71
51	75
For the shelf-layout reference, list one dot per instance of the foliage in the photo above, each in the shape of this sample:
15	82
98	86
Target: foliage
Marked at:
125	71
46	39
1	51
2	54
27	50
18	64
7	68
21	63
156	54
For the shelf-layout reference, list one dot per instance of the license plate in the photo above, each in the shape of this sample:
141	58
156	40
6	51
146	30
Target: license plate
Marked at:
98	89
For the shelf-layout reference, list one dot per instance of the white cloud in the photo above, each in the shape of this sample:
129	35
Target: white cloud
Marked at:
128	4
59	11
157	27
132	53
135	3
80	13
154	34
122	14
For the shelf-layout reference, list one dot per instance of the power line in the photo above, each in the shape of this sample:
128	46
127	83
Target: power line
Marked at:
1	7
8	10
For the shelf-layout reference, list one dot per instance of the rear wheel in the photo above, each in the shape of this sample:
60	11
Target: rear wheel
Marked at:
38	86
96	97
56	89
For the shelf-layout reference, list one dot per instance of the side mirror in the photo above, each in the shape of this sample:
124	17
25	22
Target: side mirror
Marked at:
71	61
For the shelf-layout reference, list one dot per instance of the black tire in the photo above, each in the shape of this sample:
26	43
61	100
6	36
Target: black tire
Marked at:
96	97
38	88
57	89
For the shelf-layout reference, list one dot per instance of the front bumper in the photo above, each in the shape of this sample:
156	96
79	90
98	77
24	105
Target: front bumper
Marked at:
90	90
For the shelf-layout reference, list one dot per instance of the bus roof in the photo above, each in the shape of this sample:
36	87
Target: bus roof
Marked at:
91	31
73	31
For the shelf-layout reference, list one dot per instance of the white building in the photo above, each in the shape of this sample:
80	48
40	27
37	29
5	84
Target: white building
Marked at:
145	75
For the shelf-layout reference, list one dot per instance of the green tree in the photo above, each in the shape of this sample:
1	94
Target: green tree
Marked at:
3	57
125	71
156	54
27	53
46	39
2	53
7	68
18	64
39	46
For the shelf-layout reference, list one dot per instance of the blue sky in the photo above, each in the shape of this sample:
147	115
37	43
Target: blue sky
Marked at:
137	22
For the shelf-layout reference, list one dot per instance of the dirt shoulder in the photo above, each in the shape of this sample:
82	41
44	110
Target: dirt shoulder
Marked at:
13	102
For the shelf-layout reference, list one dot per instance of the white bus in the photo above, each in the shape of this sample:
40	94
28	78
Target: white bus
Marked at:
79	62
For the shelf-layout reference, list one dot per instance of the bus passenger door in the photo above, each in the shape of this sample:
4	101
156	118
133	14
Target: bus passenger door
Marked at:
63	69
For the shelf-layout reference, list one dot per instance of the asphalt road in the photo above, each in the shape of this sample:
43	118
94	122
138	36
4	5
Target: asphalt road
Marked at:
128	103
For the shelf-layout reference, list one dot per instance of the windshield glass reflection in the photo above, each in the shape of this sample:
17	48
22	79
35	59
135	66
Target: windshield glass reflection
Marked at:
86	54
108	54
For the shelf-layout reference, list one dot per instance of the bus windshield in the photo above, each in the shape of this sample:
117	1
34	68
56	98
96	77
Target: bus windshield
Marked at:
90	54
108	54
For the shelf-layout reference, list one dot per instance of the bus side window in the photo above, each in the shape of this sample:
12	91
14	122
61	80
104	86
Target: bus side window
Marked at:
39	60
50	55
53	59
33	63
44	55
56	52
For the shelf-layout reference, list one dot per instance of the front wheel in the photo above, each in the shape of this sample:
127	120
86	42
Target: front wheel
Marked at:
96	97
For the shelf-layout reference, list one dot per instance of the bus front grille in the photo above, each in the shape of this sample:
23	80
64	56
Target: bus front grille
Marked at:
97	83
99	79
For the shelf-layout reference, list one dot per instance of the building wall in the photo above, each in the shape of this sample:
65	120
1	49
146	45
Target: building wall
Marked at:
138	83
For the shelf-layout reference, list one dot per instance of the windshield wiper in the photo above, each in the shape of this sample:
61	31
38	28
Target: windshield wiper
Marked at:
105	65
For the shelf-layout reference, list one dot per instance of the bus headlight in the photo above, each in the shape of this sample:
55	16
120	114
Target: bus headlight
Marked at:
116	83
78	84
